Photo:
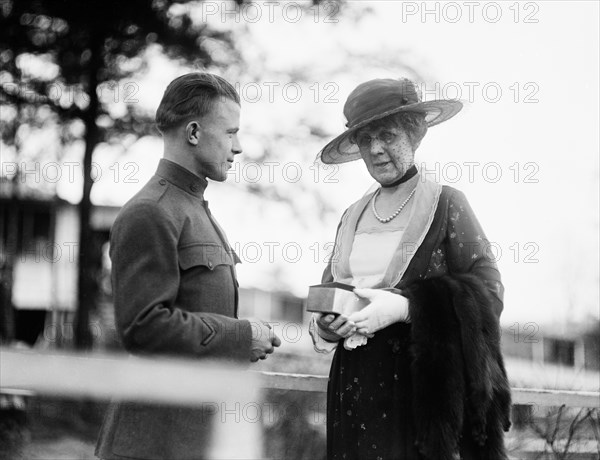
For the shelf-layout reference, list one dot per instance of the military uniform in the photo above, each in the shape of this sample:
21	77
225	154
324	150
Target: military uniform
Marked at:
175	293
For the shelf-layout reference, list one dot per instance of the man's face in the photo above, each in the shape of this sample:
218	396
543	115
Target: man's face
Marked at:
218	141
386	151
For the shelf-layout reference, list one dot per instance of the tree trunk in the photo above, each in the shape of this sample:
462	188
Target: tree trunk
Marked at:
7	262
86	285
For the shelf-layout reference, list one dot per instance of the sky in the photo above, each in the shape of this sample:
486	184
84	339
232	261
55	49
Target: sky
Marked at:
524	149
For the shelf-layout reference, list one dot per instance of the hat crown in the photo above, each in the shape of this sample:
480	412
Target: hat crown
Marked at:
378	96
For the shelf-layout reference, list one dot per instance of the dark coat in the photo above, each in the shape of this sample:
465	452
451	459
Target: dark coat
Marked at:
175	293
434	388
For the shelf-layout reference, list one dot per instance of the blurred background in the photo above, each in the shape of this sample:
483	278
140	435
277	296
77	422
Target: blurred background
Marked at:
79	86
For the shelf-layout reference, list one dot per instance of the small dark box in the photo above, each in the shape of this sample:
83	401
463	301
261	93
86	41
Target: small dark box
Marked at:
337	298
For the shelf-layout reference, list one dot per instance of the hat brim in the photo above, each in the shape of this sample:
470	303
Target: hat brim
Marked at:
341	150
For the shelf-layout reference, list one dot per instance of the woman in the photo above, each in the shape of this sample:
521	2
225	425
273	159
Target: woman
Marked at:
417	373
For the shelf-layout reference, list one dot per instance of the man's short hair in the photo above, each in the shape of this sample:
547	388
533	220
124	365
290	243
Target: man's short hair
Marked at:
191	95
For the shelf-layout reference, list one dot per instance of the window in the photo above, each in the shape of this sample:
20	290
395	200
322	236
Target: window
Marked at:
292	309
28	226
560	351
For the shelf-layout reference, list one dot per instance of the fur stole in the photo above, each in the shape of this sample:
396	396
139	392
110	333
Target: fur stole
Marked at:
460	387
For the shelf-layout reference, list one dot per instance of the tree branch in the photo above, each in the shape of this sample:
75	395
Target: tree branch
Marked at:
67	113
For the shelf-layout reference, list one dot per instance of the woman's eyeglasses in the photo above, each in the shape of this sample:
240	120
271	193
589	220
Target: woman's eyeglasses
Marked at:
363	140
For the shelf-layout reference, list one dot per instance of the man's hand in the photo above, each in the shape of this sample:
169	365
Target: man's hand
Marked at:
334	328
385	308
263	340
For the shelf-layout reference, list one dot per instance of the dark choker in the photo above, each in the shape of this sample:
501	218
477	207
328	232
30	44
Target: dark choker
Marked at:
412	171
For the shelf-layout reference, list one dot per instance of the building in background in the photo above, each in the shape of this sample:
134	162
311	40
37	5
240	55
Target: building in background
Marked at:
577	348
39	248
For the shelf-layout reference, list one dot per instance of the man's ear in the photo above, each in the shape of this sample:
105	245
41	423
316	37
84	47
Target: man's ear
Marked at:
192	132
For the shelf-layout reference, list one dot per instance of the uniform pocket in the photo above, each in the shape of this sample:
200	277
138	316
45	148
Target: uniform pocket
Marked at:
209	255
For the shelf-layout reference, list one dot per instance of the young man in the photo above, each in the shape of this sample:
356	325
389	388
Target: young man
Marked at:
173	270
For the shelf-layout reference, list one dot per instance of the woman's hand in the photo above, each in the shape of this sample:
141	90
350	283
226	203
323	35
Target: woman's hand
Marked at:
333	328
385	308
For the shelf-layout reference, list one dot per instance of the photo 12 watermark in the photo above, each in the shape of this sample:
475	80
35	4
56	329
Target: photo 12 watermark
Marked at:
469	12
325	12
269	172
268	413
126	92
490	92
42	251
53	172
290	92
490	172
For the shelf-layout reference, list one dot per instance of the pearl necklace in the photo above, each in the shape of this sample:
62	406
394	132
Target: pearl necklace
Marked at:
396	212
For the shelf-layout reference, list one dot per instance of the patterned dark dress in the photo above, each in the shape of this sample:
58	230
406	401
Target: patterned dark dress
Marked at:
370	411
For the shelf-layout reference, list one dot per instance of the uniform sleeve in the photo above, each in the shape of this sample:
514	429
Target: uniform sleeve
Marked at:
468	249
145	277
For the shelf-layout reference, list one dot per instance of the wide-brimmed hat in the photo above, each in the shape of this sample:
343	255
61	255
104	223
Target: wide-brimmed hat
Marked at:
377	99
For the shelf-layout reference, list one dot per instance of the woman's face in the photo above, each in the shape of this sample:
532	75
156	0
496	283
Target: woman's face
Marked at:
387	152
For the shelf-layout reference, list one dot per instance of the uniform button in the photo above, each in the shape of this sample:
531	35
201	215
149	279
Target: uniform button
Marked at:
193	188
162	182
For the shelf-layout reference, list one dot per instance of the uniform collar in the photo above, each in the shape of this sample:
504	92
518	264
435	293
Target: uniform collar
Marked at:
181	177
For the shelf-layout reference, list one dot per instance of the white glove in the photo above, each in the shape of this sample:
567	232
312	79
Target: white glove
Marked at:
385	308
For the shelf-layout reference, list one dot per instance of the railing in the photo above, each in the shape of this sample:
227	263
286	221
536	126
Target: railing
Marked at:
175	381
540	397
181	382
